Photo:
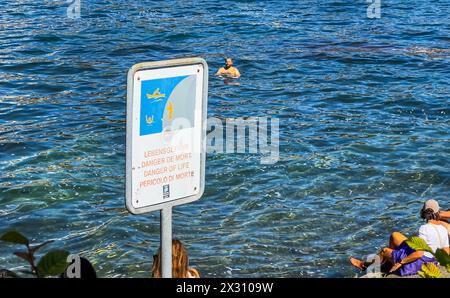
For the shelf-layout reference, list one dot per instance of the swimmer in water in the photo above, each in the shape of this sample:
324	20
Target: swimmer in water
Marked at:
228	70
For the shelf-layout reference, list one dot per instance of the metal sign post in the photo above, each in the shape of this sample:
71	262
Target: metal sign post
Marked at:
166	140
166	242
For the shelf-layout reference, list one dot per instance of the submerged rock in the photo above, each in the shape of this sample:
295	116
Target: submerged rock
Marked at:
445	274
4	273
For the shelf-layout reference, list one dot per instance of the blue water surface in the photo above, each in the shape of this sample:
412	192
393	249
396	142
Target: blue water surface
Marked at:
363	106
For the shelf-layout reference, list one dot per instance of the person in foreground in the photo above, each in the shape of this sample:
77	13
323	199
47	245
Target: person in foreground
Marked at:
180	263
403	259
228	70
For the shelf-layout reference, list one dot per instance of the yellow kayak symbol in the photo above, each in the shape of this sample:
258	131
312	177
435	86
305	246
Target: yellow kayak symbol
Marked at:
156	94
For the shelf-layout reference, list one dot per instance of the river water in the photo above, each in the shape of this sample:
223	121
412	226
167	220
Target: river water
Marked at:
363	106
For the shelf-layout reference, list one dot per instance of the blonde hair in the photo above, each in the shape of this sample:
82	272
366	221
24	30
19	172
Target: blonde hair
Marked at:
180	262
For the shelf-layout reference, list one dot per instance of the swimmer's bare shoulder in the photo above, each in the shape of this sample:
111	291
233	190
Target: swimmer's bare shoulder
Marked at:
221	71
235	72
228	70
232	72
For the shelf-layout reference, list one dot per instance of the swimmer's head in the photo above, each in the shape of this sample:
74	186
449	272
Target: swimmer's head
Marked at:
228	62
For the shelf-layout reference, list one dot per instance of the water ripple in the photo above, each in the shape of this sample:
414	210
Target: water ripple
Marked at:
363	108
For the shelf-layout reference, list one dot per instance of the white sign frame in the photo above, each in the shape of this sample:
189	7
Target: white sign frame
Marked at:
167	64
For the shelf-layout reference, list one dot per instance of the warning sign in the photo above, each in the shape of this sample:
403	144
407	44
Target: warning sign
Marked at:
166	133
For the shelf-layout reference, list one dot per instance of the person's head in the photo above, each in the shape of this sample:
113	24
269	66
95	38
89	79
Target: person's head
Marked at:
180	261
430	210
228	62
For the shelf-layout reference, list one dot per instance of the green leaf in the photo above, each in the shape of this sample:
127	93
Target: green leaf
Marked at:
53	263
442	257
418	244
422	274
430	270
14	237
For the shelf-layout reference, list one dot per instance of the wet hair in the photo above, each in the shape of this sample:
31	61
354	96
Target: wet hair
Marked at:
429	214
180	261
